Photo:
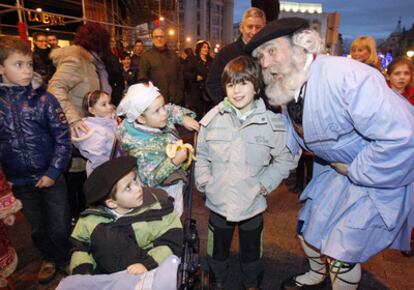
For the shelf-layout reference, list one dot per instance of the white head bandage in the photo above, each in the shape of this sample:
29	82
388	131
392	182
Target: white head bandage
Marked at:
137	99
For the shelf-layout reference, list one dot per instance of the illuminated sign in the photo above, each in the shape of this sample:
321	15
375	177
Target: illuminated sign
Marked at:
45	18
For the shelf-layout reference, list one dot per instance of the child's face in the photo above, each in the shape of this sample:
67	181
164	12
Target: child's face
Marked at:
400	77
17	69
129	194
103	107
155	116
241	95
360	54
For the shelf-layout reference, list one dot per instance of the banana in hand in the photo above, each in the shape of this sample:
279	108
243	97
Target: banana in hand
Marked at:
172	149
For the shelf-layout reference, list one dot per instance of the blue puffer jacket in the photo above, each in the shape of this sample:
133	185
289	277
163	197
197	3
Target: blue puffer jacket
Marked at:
34	135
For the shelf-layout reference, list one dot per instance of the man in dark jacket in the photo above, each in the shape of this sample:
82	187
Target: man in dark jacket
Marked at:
253	20
34	151
136	56
162	66
42	64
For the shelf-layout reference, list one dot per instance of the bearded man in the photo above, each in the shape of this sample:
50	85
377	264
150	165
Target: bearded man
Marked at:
360	200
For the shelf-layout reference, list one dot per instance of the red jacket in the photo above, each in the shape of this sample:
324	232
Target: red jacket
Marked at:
409	94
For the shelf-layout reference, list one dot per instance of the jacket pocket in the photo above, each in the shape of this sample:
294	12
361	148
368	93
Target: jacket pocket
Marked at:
218	142
257	157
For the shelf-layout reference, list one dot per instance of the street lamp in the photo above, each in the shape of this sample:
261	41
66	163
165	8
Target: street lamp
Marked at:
410	53
188	39
171	32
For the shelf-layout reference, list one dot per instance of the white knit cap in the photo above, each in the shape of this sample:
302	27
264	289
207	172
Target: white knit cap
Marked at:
137	99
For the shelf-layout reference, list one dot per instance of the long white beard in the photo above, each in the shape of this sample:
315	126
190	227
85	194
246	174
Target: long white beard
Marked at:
282	91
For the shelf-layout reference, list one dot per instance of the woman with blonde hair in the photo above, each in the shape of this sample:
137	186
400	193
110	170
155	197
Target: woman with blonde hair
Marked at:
364	49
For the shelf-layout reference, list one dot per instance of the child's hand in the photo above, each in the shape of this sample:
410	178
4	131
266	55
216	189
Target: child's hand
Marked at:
44	181
180	156
136	269
191	124
9	220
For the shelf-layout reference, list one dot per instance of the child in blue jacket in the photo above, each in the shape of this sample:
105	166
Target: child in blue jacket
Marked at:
34	151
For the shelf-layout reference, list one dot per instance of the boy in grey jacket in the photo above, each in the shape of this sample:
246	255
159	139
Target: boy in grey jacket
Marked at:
241	158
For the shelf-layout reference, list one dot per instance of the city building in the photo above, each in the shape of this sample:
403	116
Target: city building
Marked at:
211	20
399	42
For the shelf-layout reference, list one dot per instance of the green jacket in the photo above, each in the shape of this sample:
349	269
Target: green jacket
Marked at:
150	233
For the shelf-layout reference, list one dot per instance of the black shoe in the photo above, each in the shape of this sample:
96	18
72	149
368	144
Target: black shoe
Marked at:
408	254
292	284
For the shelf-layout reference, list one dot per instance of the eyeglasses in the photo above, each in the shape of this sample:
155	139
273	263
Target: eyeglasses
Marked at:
158	36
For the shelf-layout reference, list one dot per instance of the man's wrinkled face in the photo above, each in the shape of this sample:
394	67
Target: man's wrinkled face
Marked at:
275	58
283	69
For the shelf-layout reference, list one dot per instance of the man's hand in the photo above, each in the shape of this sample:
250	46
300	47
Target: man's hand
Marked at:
191	124
341	168
76	128
136	269
44	181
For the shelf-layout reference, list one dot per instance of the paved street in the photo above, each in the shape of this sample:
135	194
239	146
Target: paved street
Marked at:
388	270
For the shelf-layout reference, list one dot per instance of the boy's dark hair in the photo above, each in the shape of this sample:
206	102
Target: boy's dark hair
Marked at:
90	99
11	44
241	69
138	41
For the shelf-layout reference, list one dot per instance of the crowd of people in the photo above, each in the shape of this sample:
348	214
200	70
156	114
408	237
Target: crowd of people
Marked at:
93	158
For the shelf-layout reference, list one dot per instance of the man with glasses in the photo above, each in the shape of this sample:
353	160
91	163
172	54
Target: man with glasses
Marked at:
41	61
161	65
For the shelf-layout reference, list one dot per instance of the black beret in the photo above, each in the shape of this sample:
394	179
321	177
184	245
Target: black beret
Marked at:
101	181
275	29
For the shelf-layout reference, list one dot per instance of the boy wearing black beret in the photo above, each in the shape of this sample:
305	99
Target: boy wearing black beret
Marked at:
126	226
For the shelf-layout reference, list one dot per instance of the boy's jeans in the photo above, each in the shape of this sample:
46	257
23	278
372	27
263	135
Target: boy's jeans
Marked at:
47	210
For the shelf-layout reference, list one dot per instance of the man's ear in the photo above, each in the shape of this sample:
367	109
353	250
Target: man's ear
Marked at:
1	69
112	204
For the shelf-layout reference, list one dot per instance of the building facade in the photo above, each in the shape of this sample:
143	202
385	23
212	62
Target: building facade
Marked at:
210	20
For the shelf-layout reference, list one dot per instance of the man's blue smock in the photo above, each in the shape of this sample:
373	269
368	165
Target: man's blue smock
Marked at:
351	116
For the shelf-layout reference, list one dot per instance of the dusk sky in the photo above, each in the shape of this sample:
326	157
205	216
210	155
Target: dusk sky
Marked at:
374	17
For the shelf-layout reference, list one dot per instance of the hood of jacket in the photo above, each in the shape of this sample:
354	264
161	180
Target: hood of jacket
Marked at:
76	51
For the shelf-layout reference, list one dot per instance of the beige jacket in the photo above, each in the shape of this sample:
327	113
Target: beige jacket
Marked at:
238	164
74	77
